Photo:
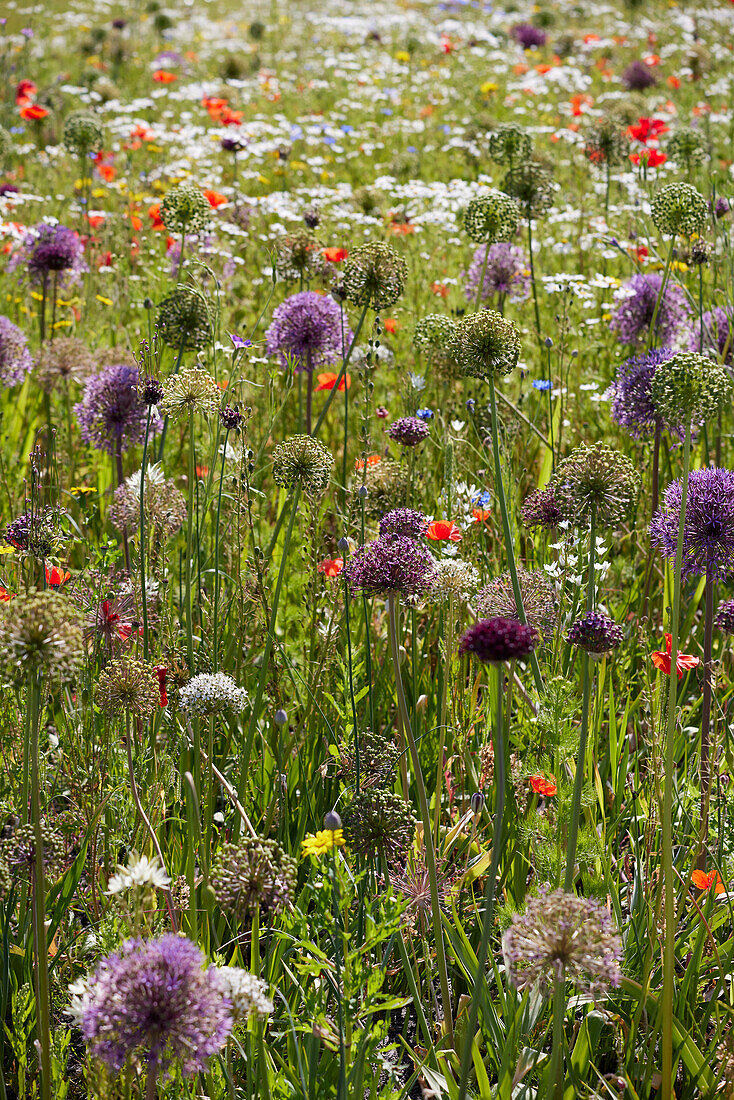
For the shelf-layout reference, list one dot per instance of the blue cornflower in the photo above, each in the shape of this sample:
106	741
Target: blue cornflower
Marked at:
424	414
542	384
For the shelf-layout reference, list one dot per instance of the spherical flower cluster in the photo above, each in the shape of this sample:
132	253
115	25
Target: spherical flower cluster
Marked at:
15	358
408	431
432	337
307	330
64	359
596	479
596	634
708	531
163	503
253	873
299	257
453	579
725	617
403	521
247	994
111	415
531	183
491	217
688	389
374	275
638	77
302	462
485	344
41	632
506	274
155	998
191	390
211	693
528	36
497	600
185	209
687	147
497	640
562	937
83	133
50	250
606	142
509	144
718	337
183	320
386	483
378	822
390	564
679	208
541	509
632	406
636	301
378	759
127	686
37	533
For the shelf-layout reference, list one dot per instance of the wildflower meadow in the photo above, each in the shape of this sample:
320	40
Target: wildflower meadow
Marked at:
366	550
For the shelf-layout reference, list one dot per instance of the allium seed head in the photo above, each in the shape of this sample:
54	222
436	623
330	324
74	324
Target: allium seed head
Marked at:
679	208
374	275
491	217
497	640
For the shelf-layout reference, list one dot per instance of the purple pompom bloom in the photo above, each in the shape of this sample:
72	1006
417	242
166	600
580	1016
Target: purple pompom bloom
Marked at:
541	509
721	207
717	336
596	634
528	36
497	640
507	274
725	617
403	521
409	431
307	327
50	250
111	414
633	315
708	531
632	406
156	997
390	564
15	358
638	76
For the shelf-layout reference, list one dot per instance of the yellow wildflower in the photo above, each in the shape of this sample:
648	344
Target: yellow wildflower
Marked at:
322	842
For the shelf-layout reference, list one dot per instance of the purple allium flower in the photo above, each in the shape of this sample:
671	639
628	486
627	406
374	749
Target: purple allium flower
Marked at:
507	274
15	358
638	76
50	249
111	413
307	327
541	509
403	521
721	207
11	189
231	145
725	617
390	564
499	640
633	315
408	431
528	36
632	406
708	531
718	339
596	634
156	997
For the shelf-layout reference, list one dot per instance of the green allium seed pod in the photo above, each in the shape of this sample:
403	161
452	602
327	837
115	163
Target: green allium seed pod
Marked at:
253	873
83	133
510	144
127	687
688	389
302	462
491	217
596	479
679	208
378	759
374	275
19	850
183	320
687	147
538	599
191	390
185	209
485	343
6	881
606	142
41	632
531	183
379	823
299	257
387	487
6	145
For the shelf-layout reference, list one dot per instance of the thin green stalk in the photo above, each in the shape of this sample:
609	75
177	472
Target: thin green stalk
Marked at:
164	432
215	617
151	1086
342	373
143	593
532	277
190	546
336	912
706	718
480	287
448	637
661	292
559	1015
43	1007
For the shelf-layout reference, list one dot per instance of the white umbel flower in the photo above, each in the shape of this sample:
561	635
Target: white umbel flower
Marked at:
248	994
211	693
140	871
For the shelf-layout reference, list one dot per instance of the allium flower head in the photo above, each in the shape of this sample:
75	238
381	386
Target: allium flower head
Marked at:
492	216
530	182
41	632
687	146
156	999
708	531
597	479
562	937
390	564
485	343
432	337
15	358
253	873
185	209
403	521
542	509
506	274
408	431
299	257
596	633
497	640
725	617
679	208
246	993
111	415
48	250
688	389
509	144
211	693
718	337
83	133
638	76
37	533
307	328
374	275
453	579
183	319
378	822
606	142
164	504
387	487
127	686
632	406
497	599
302	462
528	36
635	308
378	759
191	390
63	360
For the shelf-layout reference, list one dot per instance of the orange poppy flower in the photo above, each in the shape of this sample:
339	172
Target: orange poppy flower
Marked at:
229	117
328	380
162	76
481	515
334	255
440	290
331	567
33	112
5	596
95	220
705	881
154	213
683	662
55	577
215	199
25	92
214	106
390	325
442	529
371	460
107	172
542	786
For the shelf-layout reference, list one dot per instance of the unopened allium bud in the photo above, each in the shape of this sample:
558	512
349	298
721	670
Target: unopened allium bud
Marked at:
185	209
477	803
679	208
332	821
280	717
374	275
491	217
302	462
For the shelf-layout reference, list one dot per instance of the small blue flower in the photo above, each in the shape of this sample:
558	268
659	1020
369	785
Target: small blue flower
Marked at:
424	414
471	404
239	342
542	384
482	499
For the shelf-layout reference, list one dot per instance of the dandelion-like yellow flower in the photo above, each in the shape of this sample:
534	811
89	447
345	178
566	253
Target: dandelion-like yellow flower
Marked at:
322	842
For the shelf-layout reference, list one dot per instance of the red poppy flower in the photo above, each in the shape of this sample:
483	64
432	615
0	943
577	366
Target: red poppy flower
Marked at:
653	158
705	881
95	220
55	577
683	661
107	172
33	112
481	515
334	255
442	529
162	76
154	213
215	199
390	325
229	117
331	567
5	596
326	381
542	786
440	290
25	92
371	460
646	128
162	673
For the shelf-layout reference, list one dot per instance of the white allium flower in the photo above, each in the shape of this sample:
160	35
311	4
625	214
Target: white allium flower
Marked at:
140	871
453	577
210	693
247	993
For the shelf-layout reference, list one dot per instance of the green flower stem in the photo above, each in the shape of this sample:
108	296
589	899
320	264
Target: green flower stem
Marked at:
661	292
667	816
426	820
262	679
498	742
43	1008
164	432
706	719
506	529
480	288
151	1084
337	940
215	615
342	373
143	593
353	701
532	278
190	546
556	1064
448	639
